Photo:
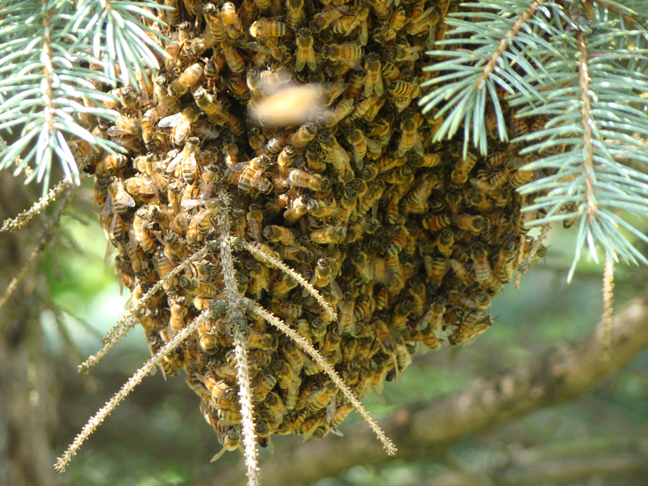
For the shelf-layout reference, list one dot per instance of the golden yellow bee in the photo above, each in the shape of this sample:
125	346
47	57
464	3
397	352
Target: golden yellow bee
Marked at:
326	17
410	138
214	23
186	161
303	135
305	54
329	235
267	28
231	441
255	223
314	182
233	58
122	201
167	101
181	124
401	53
186	80
265	386
347	54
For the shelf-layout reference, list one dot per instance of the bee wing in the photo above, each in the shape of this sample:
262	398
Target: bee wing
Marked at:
170	121
373	146
115	132
173	165
418	146
191	203
336	290
127	198
425	321
196	220
330	408
352	63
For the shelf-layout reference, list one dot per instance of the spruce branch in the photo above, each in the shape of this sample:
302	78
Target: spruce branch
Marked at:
54	59
101	415
582	68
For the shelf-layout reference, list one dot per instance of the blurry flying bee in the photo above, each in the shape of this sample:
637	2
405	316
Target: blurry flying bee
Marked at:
291	105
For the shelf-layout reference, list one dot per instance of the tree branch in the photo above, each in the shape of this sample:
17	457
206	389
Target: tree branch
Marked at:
555	376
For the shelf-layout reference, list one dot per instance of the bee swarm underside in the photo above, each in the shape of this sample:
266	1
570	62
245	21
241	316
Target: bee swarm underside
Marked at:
408	239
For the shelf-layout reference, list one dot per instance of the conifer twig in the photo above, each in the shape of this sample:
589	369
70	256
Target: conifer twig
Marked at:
255	250
21	220
100	416
44	240
328	369
126	323
608	303
237	322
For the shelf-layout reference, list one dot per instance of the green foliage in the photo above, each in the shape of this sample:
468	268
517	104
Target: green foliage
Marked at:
581	67
54	58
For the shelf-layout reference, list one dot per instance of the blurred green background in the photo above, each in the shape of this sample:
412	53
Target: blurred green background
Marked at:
158	436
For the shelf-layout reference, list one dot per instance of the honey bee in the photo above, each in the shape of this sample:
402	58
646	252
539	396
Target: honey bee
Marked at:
410	138
257	340
233	58
433	318
264	387
297	209
303	135
295	13
124	125
373	80
326	17
186	80
462	272
255	223
483	271
238	88
283	287
445	242
252	172
267	28
329	235
214	23
181	124
276	407
305	52
231	19
122	201
472	324
474	224
438	222
314	182
341	111
398	241
436	269
459	175
259	280
186	160
347	54
401	53
336	156
111	164
231	441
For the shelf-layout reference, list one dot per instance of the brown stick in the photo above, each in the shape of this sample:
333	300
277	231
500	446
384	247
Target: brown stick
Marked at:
555	376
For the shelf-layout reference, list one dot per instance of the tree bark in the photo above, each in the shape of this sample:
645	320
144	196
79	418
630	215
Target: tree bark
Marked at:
553	377
27	398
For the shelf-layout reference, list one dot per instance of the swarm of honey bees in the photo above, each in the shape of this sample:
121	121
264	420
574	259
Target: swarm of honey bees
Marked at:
407	239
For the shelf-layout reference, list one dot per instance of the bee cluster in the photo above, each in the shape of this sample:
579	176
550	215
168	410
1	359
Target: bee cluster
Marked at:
408	239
